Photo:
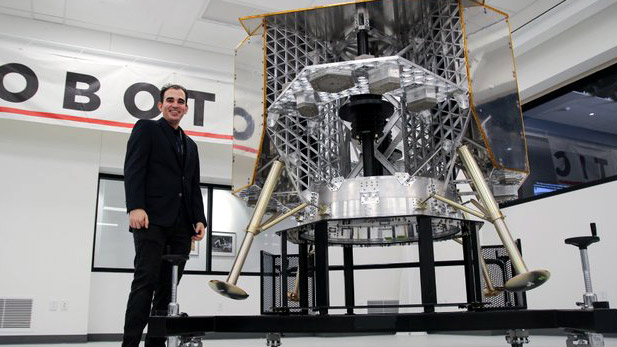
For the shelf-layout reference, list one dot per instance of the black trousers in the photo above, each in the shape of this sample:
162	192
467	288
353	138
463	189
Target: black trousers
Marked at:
153	277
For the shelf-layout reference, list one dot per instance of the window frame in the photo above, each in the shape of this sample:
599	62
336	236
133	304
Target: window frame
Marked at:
576	85
208	237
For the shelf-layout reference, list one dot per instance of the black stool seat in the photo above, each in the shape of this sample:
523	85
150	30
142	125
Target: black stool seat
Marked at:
582	241
176	259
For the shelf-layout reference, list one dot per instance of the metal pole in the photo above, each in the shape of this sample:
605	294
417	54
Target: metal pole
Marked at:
589	297
426	254
349	278
490	288
284	269
322	286
173	307
303	282
229	287
282	217
525	279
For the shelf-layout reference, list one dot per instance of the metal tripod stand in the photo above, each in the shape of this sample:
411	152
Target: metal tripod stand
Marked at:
590	300
173	309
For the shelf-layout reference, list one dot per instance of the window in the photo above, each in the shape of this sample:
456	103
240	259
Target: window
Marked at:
572	135
231	215
227	216
113	243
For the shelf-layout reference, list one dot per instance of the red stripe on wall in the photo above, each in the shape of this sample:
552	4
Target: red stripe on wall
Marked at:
211	135
244	148
97	121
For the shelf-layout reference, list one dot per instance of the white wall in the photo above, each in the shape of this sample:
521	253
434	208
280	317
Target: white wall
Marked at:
48	181
48	188
543	225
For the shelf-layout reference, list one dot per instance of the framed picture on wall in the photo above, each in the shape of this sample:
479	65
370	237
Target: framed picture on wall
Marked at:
223	244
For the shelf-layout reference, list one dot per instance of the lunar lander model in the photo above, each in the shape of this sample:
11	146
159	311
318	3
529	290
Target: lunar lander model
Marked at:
360	119
368	112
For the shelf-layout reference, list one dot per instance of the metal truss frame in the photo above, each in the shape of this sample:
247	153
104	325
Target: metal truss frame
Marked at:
320	151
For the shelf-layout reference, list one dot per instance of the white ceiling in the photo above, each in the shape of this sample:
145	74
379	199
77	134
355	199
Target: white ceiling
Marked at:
579	110
213	25
202	24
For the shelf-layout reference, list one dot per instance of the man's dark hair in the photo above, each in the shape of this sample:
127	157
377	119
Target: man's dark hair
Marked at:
173	86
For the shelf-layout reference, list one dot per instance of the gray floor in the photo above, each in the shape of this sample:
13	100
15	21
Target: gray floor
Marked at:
401	339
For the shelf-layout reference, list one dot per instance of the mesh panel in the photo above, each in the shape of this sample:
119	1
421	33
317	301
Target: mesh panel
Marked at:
500	271
267	282
439	48
271	290
277	282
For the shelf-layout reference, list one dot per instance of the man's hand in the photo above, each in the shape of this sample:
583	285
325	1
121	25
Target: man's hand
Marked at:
138	218
200	231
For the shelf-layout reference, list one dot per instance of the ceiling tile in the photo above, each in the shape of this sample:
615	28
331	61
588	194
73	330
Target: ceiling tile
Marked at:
169	40
110	29
15	12
49	7
134	16
184	13
205	47
217	35
534	12
229	12
275	5
508	6
48	18
315	3
16	5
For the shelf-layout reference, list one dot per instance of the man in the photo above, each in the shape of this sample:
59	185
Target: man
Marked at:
165	205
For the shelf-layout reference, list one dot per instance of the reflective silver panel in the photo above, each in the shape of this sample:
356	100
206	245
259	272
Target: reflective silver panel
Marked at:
494	90
419	66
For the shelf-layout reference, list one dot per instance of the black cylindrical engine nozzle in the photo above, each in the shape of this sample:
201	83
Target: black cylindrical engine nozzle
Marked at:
367	114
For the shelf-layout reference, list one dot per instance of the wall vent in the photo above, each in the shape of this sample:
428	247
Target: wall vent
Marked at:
15	313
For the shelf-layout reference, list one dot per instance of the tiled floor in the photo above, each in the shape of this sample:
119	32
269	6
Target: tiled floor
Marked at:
402	339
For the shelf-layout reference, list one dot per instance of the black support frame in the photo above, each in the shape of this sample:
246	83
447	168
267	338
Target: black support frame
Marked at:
597	320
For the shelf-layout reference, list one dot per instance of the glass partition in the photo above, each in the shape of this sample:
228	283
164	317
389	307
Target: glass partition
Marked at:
249	110
572	136
113	243
114	249
493	88
230	217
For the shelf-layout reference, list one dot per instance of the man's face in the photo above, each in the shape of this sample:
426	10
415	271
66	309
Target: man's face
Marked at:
174	106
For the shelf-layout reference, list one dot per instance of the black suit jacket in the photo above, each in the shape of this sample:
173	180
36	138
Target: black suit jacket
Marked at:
155	179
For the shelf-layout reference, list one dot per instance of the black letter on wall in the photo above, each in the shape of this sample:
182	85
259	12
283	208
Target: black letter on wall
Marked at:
32	82
129	100
71	91
200	97
602	164
582	159
566	164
